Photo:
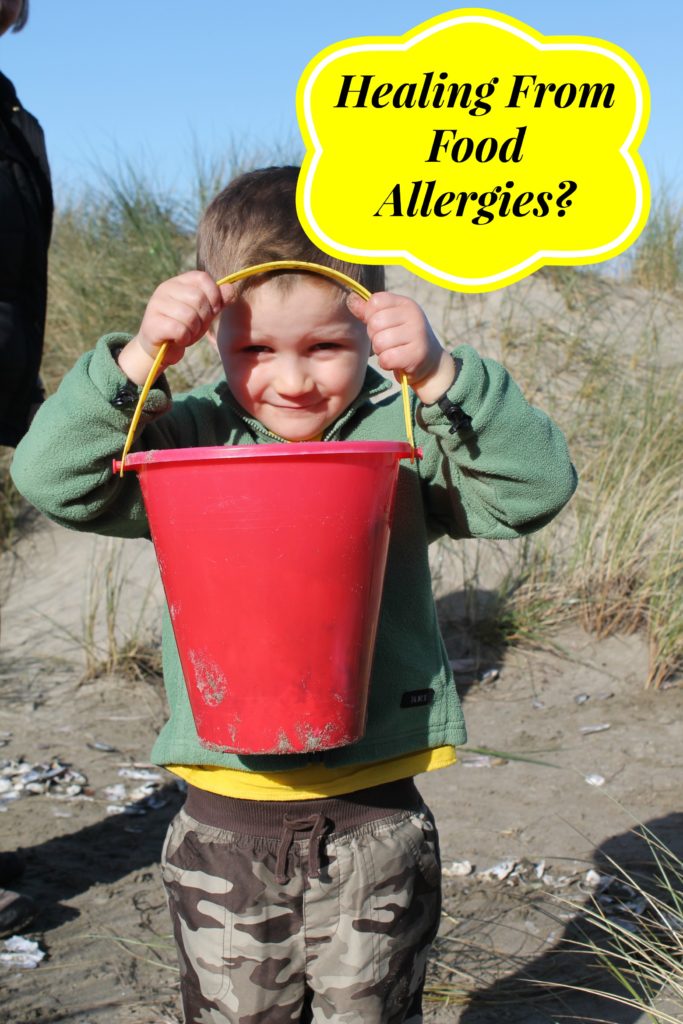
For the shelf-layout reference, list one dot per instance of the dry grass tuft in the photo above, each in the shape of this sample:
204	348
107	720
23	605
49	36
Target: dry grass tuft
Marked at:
639	941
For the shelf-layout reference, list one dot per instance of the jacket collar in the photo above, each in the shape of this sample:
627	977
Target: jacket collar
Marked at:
373	384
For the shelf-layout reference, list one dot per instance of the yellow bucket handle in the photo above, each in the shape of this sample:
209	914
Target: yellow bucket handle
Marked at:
238	275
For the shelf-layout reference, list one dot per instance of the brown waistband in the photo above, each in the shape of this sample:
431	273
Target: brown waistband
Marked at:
265	817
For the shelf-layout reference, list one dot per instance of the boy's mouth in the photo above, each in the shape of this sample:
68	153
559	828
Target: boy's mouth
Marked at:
299	407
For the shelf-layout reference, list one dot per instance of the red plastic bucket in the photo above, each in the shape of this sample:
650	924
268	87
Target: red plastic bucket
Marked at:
272	560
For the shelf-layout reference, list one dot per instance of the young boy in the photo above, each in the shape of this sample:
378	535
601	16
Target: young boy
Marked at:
306	887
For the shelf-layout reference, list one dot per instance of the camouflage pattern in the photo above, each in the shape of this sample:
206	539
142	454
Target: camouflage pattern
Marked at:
350	945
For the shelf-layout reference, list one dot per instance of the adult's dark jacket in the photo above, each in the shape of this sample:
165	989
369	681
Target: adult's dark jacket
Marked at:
25	226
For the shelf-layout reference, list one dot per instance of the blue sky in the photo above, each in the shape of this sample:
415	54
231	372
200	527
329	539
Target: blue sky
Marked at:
145	81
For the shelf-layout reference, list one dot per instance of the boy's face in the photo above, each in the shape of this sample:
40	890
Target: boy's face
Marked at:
295	359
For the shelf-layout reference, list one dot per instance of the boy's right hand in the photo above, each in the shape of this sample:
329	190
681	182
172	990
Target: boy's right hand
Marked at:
180	311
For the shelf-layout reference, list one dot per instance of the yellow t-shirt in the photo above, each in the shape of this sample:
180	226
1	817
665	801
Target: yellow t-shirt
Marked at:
314	781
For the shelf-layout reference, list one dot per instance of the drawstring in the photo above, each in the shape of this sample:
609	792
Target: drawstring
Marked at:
316	824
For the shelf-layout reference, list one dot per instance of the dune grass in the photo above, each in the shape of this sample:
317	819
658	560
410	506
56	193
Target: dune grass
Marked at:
10	504
656	261
112	643
613	559
627	562
110	250
621	944
638	941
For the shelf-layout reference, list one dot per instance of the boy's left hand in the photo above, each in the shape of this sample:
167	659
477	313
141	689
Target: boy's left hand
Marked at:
404	342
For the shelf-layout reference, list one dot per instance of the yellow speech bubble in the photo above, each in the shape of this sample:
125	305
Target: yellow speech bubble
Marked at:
473	150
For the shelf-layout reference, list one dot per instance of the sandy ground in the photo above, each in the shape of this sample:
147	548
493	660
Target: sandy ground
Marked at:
103	922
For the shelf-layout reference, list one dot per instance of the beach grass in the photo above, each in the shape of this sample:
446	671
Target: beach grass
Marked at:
636	938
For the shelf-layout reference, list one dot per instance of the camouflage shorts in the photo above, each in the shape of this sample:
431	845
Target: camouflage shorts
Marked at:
304	926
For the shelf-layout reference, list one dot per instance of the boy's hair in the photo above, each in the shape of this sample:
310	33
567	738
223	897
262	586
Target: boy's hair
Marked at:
254	220
22	17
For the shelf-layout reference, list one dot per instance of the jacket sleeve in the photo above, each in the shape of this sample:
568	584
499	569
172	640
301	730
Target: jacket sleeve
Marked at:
506	475
63	465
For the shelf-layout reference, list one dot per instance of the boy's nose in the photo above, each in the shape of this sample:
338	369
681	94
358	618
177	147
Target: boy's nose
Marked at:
292	380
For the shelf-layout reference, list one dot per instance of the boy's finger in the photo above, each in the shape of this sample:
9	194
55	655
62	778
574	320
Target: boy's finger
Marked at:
197	288
386	300
358	306
228	295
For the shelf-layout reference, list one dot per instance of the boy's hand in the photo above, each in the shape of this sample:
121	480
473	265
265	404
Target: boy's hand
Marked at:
180	311
404	342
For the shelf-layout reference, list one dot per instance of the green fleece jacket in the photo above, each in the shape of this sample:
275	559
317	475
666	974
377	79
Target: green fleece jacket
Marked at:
506	476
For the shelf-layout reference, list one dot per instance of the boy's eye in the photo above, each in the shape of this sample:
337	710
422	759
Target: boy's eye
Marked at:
255	349
323	346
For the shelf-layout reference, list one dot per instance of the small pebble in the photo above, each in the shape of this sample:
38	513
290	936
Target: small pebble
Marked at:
499	872
457	869
21	952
